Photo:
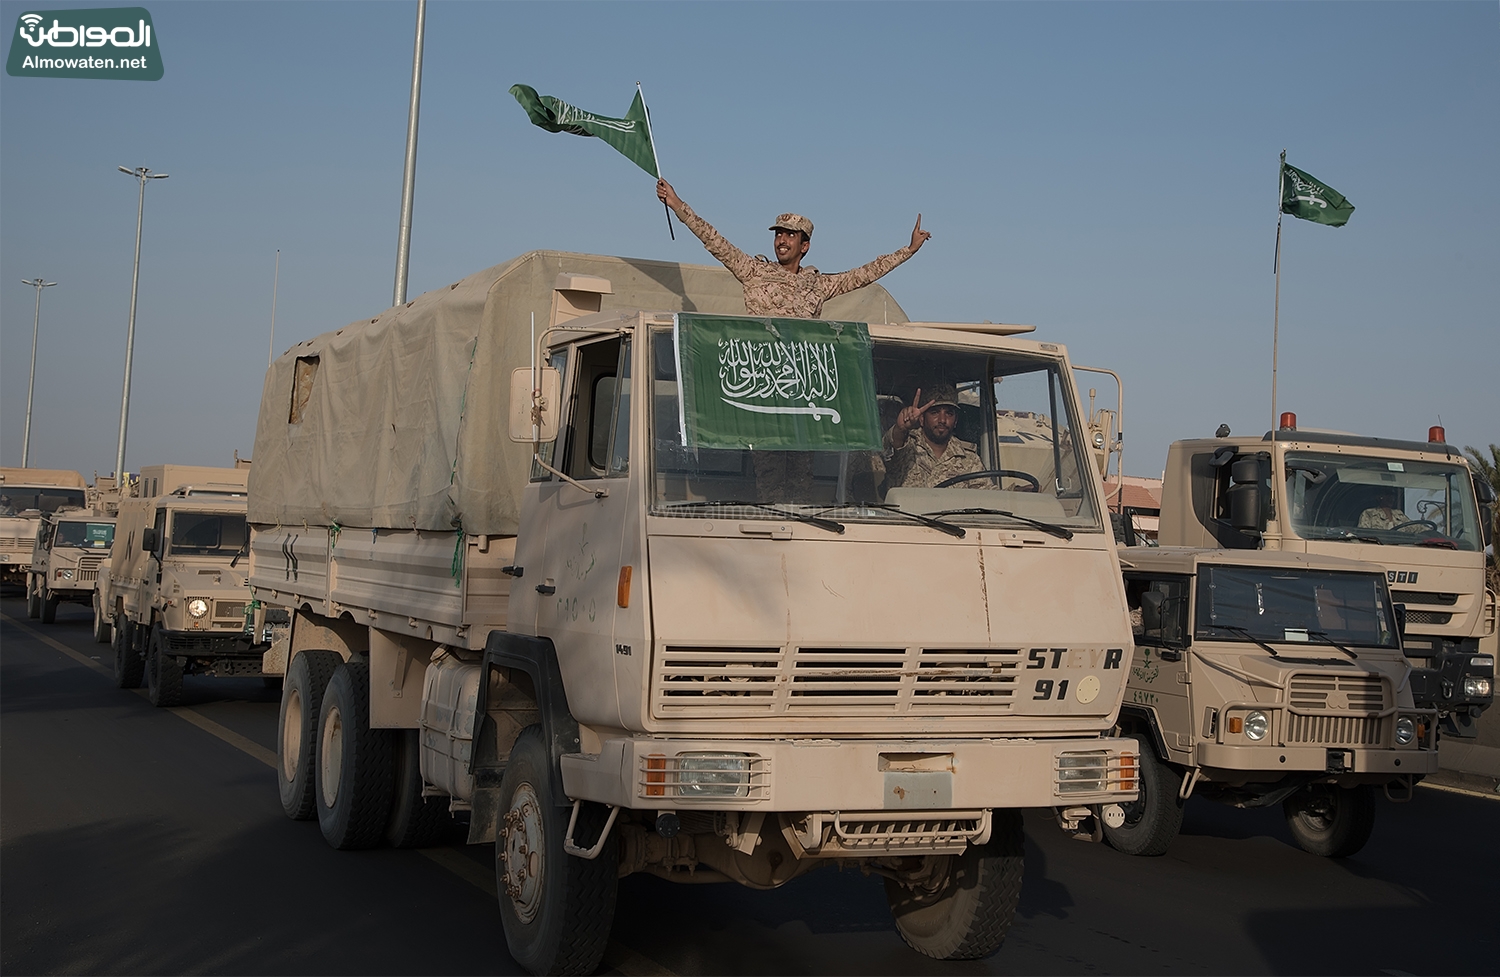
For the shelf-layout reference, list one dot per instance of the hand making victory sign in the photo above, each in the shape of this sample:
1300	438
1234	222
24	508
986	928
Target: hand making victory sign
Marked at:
910	417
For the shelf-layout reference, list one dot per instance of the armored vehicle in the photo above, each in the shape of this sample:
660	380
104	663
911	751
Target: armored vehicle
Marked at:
1264	678
26	495
1410	507
72	549
645	597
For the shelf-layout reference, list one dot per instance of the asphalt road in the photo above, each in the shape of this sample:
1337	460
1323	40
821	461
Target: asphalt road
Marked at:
138	840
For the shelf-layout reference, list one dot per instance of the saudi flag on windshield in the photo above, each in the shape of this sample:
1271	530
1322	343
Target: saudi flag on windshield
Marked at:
630	135
1304	195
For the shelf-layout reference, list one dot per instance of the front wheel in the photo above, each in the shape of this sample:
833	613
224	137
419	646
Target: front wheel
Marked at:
49	607
557	908
102	629
33	599
129	667
1155	817
163	673
1331	821
967	917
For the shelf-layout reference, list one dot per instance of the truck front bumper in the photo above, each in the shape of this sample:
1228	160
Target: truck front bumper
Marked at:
853	775
1274	761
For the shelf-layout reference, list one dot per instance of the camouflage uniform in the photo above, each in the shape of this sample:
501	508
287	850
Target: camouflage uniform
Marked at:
771	290
1378	518
913	465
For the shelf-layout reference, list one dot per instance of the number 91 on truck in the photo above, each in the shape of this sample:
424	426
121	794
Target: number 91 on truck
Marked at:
632	588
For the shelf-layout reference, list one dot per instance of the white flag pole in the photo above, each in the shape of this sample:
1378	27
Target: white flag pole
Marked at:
1276	313
654	158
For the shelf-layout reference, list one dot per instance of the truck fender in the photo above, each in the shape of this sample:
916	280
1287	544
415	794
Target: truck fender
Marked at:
1142	719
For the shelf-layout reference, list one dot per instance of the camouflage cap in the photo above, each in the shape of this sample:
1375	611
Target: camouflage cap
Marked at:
792	222
943	393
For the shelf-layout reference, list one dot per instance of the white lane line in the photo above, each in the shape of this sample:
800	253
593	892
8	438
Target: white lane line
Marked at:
621	958
1461	790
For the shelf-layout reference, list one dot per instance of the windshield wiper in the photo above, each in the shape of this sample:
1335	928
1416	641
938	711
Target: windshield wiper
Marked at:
1061	532
955	531
1328	639
1244	633
1346	534
826	524
243	551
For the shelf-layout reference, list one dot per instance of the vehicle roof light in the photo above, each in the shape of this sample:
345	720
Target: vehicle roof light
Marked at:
1288	421
1436	434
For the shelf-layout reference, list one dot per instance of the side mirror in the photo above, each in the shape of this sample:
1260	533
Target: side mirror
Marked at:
1400	610
538	426
149	539
1249	493
1484	491
1151	607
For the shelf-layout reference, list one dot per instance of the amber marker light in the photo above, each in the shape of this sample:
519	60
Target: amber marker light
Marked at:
1236	724
656	775
1127	771
622	592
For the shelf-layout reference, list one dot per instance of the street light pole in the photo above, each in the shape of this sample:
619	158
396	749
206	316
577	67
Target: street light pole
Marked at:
143	174
36	322
409	179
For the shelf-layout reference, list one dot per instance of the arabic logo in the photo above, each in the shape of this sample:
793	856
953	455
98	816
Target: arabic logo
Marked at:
34	32
28	23
1307	193
795	372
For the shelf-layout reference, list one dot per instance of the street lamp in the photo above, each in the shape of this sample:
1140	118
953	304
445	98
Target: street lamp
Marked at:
36	322
409	177
142	174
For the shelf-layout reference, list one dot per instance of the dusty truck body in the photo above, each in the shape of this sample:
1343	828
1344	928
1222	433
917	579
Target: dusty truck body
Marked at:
1321	492
26	495
72	550
1263	678
621	648
176	599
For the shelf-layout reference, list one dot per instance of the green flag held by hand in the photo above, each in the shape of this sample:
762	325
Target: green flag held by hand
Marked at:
1304	196
630	135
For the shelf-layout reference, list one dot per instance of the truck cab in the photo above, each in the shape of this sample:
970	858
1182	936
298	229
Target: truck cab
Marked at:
26	495
1264	677
72	549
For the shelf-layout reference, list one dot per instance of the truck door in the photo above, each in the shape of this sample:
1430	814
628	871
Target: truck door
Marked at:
1159	673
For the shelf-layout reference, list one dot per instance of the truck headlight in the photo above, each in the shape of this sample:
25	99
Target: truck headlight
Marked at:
65	574
1406	731
1482	661
1476	686
1256	725
197	608
713	775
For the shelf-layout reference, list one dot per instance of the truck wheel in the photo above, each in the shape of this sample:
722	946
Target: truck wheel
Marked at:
1331	821
163	674
102	630
1152	821
969	916
416	821
49	606
33	599
557	909
297	729
129	668
353	768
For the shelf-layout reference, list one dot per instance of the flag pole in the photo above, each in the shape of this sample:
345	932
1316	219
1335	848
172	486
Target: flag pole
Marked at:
1276	313
654	158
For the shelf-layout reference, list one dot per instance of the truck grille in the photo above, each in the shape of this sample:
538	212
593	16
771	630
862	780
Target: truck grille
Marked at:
1356	693
16	543
225	610
88	567
739	682
1423	597
1427	617
1333	730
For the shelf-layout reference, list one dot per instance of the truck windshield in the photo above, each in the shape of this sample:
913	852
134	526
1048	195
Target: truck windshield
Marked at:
15	500
1290	605
997	445
85	535
208	534
1378	500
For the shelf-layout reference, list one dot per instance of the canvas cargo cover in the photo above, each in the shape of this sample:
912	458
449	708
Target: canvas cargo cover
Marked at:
41	476
400	421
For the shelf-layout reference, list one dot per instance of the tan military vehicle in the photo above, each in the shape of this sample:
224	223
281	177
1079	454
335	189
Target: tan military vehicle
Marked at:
1411	507
177	596
642	597
26	495
1264	678
72	548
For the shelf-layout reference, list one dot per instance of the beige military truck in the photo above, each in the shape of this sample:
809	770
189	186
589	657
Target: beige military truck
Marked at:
1411	507
26	495
642	597
177	596
1261	678
72	548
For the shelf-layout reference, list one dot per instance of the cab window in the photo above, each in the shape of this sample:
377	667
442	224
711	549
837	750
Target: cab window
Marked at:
1158	609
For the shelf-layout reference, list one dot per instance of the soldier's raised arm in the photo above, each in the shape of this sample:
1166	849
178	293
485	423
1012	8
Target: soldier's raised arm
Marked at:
848	281
737	261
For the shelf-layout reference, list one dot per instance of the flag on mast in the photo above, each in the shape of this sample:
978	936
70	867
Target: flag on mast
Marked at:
631	135
1304	195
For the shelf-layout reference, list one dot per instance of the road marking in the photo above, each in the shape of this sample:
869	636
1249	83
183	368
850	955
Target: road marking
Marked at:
1461	790
621	958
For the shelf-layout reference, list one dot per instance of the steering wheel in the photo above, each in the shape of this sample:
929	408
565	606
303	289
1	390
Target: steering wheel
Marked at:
1033	484
1417	522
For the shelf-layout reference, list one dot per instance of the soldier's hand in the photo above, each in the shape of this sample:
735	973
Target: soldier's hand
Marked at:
667	195
910	417
919	237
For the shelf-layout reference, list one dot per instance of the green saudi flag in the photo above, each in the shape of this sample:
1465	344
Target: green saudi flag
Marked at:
1304	195
630	135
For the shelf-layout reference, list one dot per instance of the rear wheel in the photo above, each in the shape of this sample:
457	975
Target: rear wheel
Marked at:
416	821
1331	821
297	729
353	796
968	915
557	908
33	598
129	667
163	673
1155	817
49	606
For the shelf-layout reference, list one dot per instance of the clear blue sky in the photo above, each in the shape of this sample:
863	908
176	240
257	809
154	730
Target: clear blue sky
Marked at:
1106	172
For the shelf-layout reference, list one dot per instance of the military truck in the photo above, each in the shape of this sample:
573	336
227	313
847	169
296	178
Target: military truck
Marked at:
641	597
72	549
1411	507
177	600
26	495
1263	677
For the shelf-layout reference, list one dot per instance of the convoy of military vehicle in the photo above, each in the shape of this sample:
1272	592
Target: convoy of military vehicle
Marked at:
574	554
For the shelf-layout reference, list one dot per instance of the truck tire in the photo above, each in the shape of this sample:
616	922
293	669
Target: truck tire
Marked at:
1152	821
968	918
33	598
353	768
163	674
416	821
1331	821
49	606
103	632
129	667
557	909
297	729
